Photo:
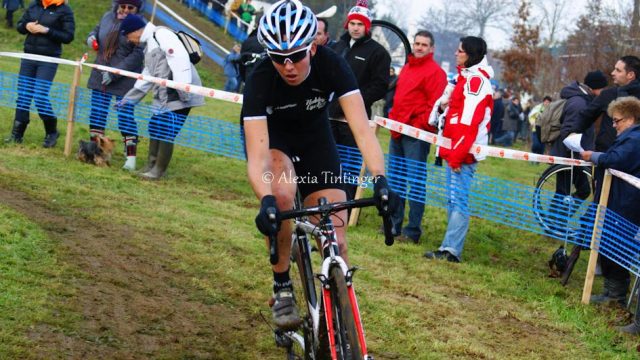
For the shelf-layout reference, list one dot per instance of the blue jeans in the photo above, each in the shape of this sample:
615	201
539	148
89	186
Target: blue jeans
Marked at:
35	81
506	139
401	153
231	84
537	147
100	104
458	187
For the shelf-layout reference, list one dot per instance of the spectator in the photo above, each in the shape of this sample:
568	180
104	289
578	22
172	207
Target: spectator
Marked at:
370	63
467	122
510	123
623	197
231	69
113	49
323	37
625	77
246	13
11	6
48	24
578	96
420	84
496	116
537	147
165	57
388	97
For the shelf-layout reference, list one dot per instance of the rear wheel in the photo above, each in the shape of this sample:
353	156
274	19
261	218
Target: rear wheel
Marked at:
346	334
555	212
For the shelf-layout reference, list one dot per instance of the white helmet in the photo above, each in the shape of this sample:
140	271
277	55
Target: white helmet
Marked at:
286	25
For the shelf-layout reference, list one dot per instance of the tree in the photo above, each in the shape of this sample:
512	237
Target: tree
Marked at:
447	29
552	19
521	59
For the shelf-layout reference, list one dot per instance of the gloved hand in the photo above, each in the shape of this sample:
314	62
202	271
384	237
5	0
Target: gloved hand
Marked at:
265	224
92	42
184	96
380	189
107	78
120	104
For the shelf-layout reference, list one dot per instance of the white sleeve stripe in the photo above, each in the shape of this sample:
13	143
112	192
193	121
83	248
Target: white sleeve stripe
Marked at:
350	93
253	118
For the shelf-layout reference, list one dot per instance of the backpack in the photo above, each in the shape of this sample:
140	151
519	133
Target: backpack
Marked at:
190	43
550	121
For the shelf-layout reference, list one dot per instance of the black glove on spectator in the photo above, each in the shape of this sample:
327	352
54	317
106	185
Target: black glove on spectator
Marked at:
381	187
267	226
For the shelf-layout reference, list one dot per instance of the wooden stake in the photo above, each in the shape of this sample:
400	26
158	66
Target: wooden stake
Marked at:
355	213
595	238
71	113
153	11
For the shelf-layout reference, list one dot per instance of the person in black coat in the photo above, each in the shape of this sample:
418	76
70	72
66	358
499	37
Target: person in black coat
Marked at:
48	24
114	50
624	198
578	96
11	6
370	63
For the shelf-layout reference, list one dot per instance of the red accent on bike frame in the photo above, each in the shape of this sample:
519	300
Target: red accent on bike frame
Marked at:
356	314
328	311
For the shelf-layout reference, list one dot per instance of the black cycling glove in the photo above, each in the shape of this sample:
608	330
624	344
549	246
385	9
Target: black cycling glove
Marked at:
267	226
380	188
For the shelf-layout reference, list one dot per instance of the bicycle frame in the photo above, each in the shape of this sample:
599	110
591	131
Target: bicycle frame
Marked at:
325	233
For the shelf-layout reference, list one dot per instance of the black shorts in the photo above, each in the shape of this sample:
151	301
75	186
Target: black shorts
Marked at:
314	156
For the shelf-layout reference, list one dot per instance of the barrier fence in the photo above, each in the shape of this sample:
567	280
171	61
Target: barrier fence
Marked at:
497	200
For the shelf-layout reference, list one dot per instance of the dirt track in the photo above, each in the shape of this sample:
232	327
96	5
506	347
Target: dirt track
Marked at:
130	298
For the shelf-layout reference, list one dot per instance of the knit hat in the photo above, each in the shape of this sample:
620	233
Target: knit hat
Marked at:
360	12
131	23
136	3
596	80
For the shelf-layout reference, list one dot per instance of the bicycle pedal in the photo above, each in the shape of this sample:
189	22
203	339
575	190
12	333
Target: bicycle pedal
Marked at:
282	340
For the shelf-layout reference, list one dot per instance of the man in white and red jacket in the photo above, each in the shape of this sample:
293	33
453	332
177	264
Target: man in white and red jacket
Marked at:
467	122
420	83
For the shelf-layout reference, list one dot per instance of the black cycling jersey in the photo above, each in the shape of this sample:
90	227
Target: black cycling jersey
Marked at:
297	117
299	108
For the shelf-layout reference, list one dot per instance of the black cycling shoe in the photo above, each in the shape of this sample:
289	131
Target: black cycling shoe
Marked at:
50	140
285	312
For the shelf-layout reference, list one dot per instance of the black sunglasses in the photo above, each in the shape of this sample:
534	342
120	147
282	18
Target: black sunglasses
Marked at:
294	57
128	7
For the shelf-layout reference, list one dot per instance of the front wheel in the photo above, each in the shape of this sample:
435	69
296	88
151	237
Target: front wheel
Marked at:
346	333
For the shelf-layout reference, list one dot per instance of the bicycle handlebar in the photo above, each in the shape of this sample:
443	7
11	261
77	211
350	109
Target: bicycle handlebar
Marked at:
326	209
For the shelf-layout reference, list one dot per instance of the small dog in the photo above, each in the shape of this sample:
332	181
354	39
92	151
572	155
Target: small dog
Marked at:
97	152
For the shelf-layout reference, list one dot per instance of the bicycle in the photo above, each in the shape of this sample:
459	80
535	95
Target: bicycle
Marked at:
552	211
332	326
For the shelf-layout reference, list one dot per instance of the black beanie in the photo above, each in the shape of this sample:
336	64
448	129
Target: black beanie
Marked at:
131	23
596	80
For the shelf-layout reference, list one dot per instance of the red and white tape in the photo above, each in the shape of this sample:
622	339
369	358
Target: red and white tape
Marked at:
194	89
626	177
476	148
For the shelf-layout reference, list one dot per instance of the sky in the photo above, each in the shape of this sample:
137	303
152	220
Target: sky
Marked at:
496	38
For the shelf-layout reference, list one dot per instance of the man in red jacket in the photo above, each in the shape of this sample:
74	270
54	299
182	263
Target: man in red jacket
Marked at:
420	83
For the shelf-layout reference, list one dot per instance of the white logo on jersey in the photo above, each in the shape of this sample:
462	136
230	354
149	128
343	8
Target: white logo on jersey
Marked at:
360	58
316	103
284	107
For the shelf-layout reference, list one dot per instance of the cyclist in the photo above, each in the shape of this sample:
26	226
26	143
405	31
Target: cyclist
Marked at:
285	117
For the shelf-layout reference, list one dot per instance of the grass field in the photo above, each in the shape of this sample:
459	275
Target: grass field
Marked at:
95	263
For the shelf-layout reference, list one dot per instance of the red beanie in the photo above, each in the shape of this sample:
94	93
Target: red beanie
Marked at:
360	12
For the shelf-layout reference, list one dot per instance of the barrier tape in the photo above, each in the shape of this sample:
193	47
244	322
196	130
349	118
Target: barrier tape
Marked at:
189	88
476	149
626	177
